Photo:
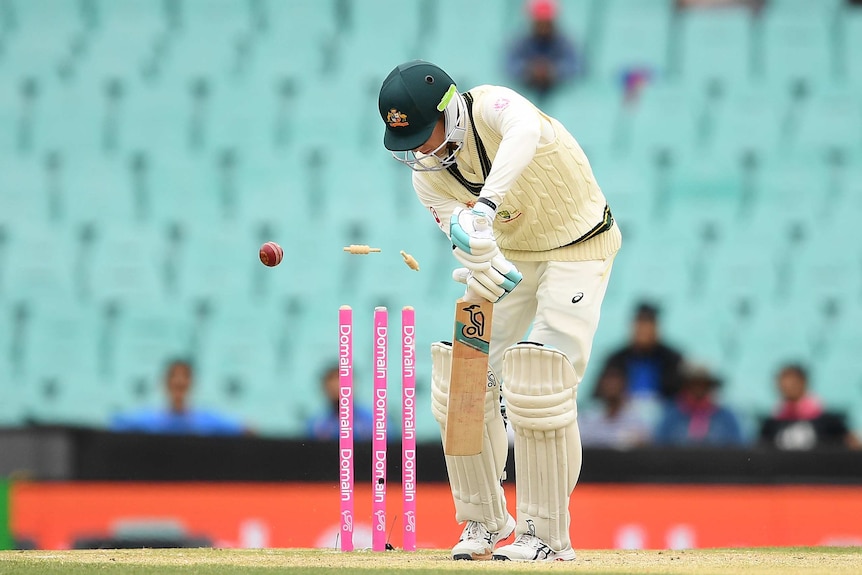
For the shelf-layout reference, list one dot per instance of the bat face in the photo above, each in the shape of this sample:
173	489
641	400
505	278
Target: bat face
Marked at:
465	425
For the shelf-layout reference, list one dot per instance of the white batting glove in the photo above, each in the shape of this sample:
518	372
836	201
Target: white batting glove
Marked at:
472	236
492	284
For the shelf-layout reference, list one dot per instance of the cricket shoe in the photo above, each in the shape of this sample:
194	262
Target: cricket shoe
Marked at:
528	547
477	543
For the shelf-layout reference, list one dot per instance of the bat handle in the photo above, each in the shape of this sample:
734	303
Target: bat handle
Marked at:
472	297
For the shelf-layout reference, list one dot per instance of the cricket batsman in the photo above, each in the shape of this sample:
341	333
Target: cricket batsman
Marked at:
483	156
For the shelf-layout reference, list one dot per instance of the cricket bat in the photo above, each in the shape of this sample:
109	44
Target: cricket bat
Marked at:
465	418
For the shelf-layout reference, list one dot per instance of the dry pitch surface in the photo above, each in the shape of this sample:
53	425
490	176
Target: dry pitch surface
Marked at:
786	561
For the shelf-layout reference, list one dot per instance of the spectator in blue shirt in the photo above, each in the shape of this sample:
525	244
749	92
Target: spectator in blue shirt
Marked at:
179	418
695	418
651	365
545	57
616	422
325	425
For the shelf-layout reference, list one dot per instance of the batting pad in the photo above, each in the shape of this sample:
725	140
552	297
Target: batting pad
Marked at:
540	387
475	479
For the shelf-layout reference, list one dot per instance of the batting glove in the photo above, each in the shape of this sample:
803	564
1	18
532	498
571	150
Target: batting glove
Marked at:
492	284
473	237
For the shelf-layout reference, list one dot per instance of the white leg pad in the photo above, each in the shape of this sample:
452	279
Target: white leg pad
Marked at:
540	387
475	479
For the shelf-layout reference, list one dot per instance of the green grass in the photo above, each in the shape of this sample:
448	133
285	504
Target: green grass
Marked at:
772	561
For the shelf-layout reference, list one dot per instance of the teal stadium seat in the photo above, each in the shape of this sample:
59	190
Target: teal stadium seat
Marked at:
229	254
125	41
40	39
205	41
11	409
778	335
749	119
241	117
630	191
127	265
49	276
828	268
178	189
738	273
476	28
830	120
714	45
8	334
158	117
660	266
796	46
634	35
822	8
237	368
96	190
703	330
11	377
147	337
23	192
836	377
279	187
846	210
593	113
63	349
73	399
665	117
784	189
295	41
379	35
74	118
10	111
851	19
576	18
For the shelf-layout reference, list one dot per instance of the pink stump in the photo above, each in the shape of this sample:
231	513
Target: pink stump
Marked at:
345	421
408	426
378	443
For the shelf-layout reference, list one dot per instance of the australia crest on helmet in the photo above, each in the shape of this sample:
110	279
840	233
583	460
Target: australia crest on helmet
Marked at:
396	119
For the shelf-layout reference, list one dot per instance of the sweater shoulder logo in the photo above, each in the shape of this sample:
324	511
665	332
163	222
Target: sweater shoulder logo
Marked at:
506	216
578	297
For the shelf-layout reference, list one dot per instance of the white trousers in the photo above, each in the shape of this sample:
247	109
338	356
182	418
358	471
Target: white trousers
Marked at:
562	301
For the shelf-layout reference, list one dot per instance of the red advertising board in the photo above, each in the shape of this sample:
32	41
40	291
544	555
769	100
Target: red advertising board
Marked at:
307	515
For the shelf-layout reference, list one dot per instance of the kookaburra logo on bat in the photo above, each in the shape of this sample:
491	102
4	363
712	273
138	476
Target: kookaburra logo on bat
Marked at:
477	322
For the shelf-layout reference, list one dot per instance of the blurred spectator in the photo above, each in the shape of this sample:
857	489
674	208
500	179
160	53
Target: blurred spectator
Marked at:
799	421
650	365
616	422
695	418
545	57
179	417
325	426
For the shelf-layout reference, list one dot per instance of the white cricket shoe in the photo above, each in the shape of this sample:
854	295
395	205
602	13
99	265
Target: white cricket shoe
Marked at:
477	543
528	547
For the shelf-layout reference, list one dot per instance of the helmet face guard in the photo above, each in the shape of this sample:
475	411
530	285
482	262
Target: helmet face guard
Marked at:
454	111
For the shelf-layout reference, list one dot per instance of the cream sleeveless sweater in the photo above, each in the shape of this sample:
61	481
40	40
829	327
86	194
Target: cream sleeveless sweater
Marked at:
554	211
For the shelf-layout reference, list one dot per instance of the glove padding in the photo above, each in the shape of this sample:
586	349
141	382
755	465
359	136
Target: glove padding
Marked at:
492	284
473	237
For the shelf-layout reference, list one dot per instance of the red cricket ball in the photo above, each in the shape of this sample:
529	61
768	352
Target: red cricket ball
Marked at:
271	254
